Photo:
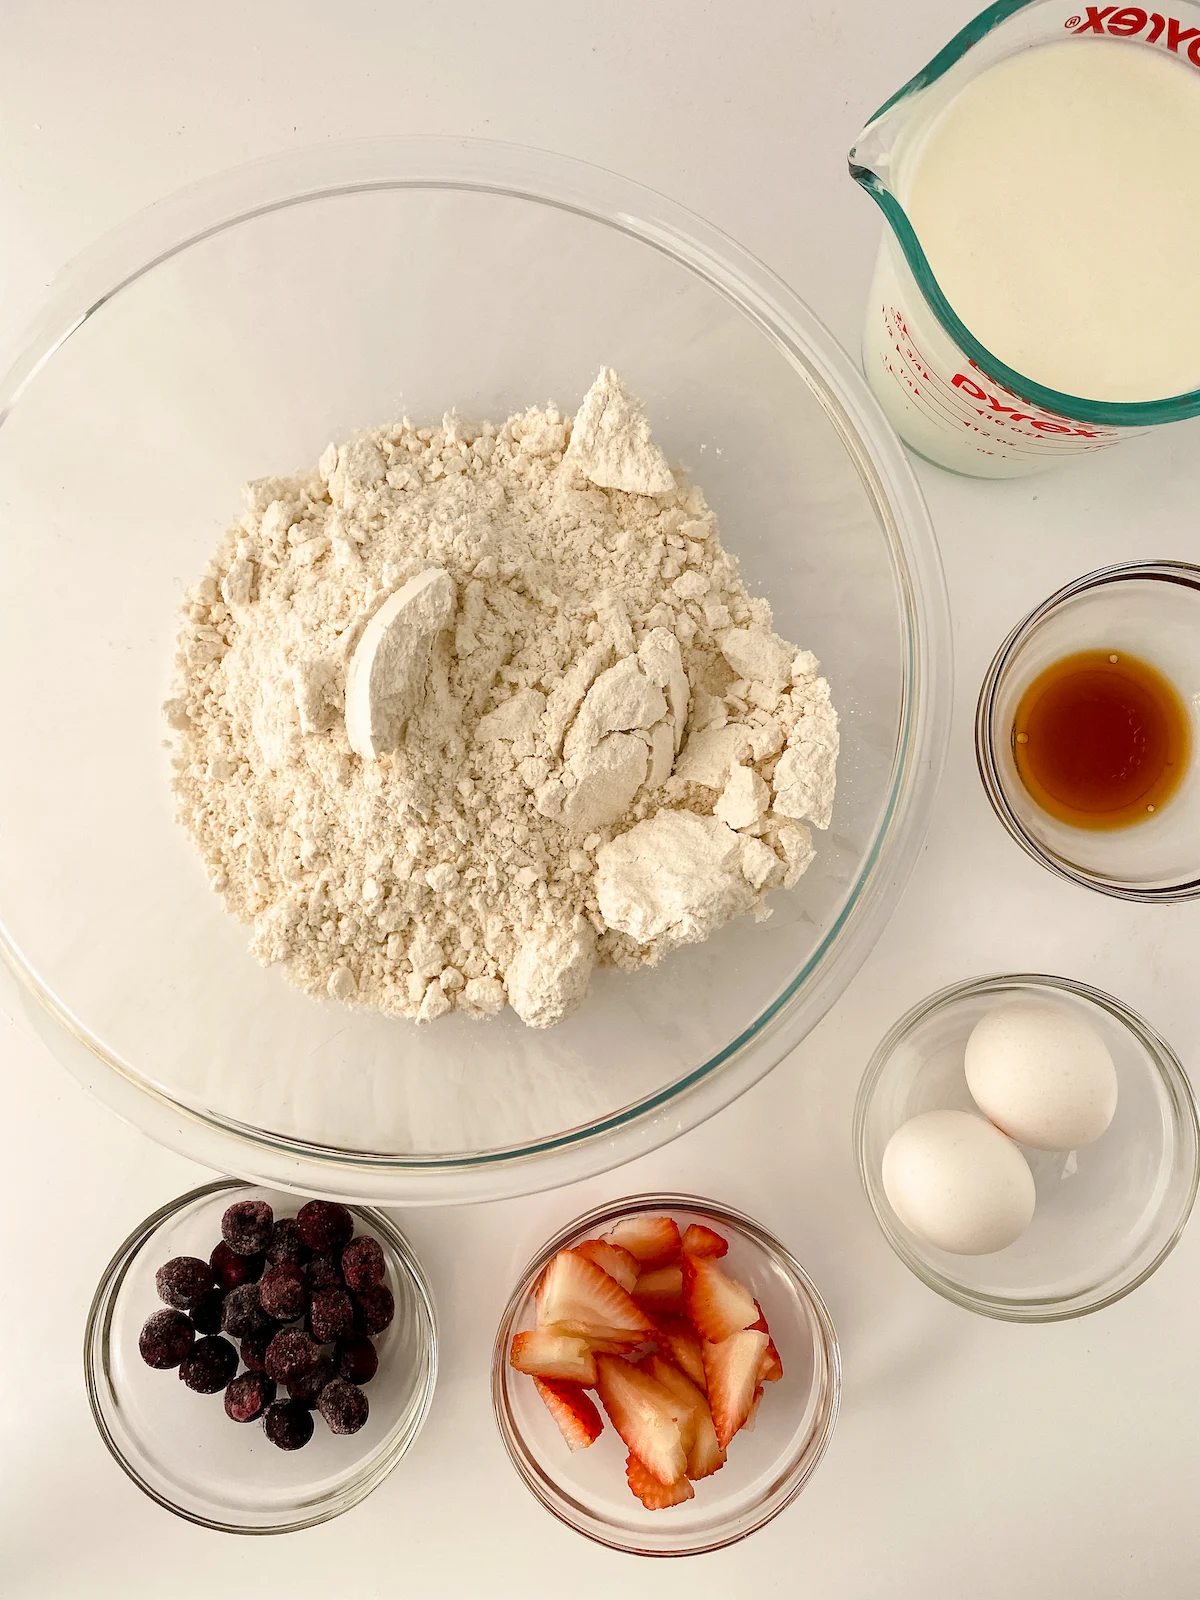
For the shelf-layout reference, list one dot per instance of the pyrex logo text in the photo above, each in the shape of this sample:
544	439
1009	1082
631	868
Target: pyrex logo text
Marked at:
1000	410
1129	22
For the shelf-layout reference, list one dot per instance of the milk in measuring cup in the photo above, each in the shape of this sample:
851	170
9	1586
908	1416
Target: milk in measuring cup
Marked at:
1057	198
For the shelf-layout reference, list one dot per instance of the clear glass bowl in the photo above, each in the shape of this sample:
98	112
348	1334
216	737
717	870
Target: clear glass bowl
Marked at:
1149	609
765	1469
231	332
1107	1215
181	1448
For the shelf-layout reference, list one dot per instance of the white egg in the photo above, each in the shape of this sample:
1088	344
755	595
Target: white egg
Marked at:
958	1182
1043	1074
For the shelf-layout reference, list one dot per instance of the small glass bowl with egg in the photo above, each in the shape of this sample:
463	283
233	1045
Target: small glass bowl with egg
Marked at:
1029	1145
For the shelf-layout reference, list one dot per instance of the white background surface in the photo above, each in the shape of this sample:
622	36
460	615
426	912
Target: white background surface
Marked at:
972	1459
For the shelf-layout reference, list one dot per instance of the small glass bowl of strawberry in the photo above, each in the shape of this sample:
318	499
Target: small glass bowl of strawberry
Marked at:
665	1376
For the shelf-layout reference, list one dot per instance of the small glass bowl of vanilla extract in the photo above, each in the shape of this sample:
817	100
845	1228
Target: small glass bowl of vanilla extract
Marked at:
1087	731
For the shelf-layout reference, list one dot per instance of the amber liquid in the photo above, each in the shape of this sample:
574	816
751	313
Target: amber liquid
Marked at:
1101	740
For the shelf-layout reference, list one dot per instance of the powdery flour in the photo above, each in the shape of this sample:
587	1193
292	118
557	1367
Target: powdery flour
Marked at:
466	710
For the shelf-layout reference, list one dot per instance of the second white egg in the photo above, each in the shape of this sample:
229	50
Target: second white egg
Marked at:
1043	1074
957	1181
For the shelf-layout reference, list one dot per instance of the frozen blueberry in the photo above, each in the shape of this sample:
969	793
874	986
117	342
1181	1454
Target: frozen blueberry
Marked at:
248	1397
325	1271
374	1308
362	1263
254	1350
230	1269
242	1312
184	1281
292	1354
325	1225
165	1339
206	1315
307	1388
330	1316
356	1360
286	1244
288	1424
209	1365
246	1227
343	1406
283	1292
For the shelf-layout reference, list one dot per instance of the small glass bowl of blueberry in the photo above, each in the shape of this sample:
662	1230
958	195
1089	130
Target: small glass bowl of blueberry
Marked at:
257	1363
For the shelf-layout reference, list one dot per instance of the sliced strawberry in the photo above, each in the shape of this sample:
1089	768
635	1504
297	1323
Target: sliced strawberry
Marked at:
732	1371
752	1414
716	1304
655	1496
683	1344
701	1241
677	1382
770	1368
600	1341
653	1240
578	1420
554	1355
645	1415
576	1296
610	1258
660	1289
679	1406
704	1454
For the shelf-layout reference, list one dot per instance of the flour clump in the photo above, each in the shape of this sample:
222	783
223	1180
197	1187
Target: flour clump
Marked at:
466	710
676	875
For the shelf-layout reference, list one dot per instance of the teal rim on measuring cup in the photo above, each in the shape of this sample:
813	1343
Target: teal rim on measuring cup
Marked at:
948	396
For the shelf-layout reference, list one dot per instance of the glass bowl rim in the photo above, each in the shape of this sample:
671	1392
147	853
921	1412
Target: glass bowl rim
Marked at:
1179	1093
812	1452
345	1495
1184	574
171	226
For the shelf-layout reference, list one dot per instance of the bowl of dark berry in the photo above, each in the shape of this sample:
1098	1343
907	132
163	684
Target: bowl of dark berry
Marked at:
258	1364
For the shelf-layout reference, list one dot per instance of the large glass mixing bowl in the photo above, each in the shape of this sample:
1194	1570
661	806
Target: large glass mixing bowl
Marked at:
231	332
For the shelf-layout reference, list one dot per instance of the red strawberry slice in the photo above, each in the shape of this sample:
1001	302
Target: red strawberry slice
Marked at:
600	1341
576	1296
645	1415
578	1420
732	1371
554	1355
660	1289
752	1414
653	1240
717	1304
610	1258
701	1241
655	1496
683	1344
770	1369
704	1454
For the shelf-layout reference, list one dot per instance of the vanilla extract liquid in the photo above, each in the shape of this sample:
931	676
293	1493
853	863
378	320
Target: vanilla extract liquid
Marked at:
1101	740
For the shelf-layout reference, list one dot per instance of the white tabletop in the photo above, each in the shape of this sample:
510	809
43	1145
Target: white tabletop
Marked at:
972	1459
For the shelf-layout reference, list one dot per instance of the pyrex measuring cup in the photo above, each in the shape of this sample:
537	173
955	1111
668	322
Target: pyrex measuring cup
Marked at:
947	395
